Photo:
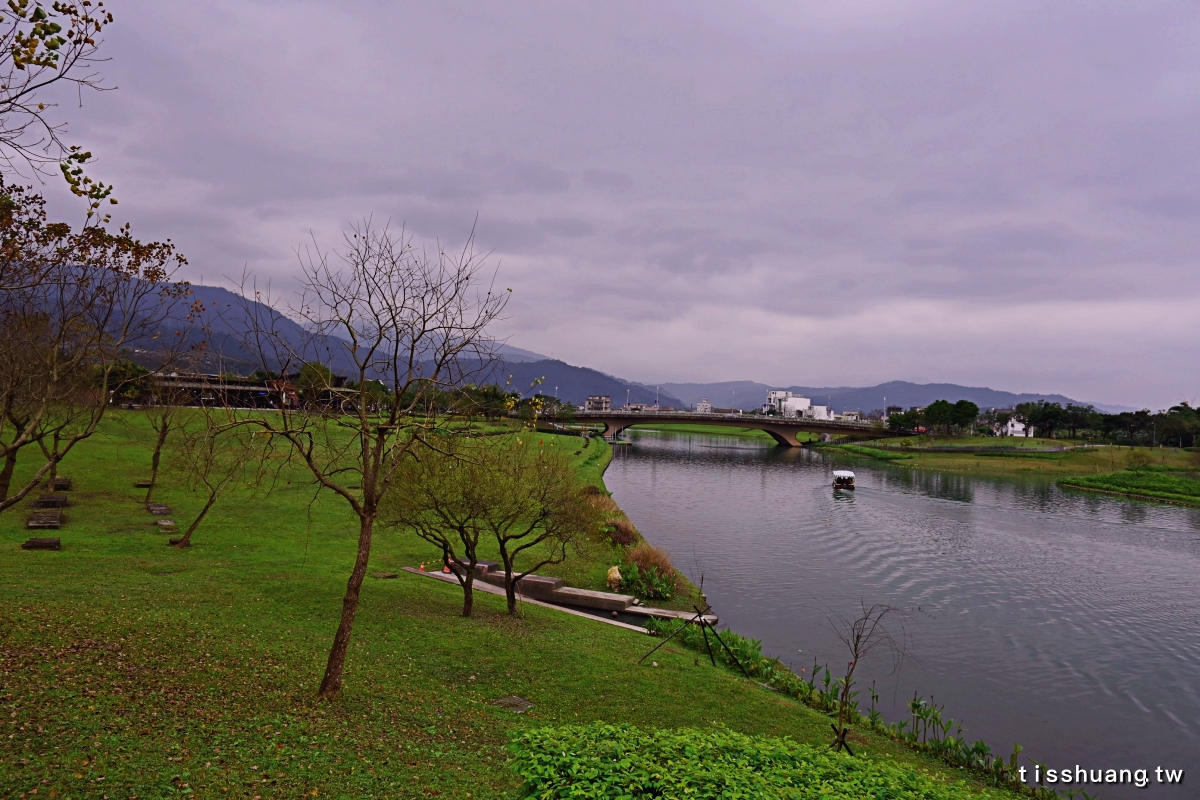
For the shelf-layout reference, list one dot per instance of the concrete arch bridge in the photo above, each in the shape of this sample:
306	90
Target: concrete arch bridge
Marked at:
782	429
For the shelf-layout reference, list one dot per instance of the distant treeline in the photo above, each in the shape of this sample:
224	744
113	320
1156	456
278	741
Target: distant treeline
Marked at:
1177	425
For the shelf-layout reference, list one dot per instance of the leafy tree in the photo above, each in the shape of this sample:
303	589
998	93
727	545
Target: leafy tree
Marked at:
539	510
444	492
941	412
1076	417
905	421
964	414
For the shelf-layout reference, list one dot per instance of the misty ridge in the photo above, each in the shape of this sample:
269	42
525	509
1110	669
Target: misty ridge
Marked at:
226	318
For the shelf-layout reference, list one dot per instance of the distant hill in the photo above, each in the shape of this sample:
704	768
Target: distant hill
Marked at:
749	394
225	319
225	316
573	384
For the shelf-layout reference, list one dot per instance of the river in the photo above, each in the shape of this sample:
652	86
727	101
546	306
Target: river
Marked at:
1064	621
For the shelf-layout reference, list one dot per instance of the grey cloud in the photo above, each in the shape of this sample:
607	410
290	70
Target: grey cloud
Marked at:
567	227
805	161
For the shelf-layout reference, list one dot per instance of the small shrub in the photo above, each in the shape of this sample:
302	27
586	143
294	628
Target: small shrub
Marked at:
592	489
646	584
649	558
604	503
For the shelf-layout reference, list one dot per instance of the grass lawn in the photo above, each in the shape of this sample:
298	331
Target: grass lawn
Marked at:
129	668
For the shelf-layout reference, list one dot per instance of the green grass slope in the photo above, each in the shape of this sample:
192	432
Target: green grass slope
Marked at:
130	668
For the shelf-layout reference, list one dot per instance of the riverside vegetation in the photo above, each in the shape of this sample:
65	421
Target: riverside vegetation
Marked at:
131	668
1164	472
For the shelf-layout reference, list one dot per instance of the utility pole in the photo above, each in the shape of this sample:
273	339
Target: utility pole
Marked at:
627	399
655	398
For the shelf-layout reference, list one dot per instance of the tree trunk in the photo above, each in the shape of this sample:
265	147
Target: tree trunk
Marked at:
155	459
186	541
469	591
510	586
10	464
331	684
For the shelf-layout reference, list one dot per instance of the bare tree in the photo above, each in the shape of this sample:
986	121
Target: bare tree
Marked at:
63	338
164	411
214	451
877	627
443	493
539	510
379	311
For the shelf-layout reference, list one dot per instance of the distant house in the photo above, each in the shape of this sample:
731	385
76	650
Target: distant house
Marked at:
1015	427
851	416
598	402
818	412
704	407
638	407
892	410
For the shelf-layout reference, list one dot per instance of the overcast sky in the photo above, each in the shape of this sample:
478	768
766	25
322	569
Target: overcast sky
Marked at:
816	193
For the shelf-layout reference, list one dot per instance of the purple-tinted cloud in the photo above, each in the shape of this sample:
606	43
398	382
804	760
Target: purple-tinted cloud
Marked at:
816	193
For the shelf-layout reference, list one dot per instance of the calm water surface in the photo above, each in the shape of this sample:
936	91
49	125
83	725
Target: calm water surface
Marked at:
1066	622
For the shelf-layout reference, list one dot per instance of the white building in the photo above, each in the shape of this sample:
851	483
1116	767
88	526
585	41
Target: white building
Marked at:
795	406
703	407
1015	427
818	412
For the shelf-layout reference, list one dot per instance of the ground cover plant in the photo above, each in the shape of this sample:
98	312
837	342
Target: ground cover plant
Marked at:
607	761
128	667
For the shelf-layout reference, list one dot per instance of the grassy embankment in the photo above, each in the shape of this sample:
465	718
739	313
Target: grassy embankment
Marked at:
1163	484
1081	461
129	668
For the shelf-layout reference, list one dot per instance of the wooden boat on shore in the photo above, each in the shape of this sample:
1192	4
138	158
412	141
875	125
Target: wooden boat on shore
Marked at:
843	479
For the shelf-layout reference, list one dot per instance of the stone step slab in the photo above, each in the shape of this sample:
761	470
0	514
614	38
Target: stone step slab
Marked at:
586	598
42	544
45	520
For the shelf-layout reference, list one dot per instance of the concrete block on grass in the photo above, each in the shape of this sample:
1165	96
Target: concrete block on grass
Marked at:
42	544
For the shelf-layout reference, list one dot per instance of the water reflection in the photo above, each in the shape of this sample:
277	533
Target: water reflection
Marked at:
1065	621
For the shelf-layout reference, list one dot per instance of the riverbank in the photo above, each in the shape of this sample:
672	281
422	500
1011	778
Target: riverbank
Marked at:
131	668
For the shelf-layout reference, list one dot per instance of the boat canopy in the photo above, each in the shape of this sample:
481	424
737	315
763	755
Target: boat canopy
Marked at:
843	473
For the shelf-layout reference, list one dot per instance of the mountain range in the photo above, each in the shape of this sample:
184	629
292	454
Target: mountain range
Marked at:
527	372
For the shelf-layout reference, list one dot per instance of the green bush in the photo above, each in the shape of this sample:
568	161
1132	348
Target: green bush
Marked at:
621	761
646	584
